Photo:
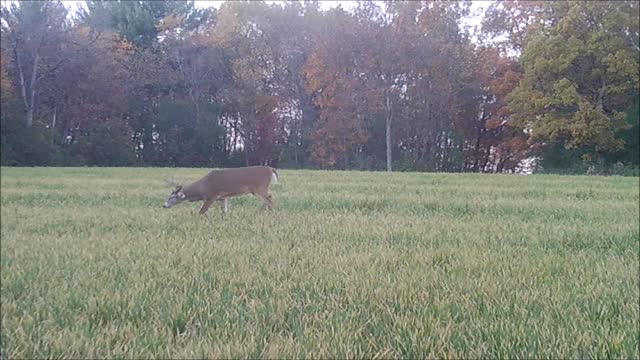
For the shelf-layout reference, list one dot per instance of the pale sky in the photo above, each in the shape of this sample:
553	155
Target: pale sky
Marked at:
73	4
479	5
325	5
477	8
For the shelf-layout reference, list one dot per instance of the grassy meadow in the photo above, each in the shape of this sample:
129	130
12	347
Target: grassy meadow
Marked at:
348	265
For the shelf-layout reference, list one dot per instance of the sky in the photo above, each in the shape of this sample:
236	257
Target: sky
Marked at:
216	3
477	8
74	4
325	5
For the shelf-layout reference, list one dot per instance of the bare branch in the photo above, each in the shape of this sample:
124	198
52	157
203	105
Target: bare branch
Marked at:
61	61
632	41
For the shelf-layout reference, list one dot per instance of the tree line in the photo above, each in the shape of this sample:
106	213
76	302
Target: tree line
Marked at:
388	85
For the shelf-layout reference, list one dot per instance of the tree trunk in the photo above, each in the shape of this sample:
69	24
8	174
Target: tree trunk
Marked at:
500	165
246	151
346	152
23	85
29	116
295	150
53	123
28	95
486	160
388	132
32	85
476	154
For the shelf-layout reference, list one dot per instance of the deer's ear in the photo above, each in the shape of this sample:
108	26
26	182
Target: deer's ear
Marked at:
178	188
182	195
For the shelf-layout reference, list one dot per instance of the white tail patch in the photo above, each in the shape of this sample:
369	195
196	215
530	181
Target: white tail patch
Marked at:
274	178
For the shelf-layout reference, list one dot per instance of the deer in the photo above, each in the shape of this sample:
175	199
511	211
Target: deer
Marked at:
220	185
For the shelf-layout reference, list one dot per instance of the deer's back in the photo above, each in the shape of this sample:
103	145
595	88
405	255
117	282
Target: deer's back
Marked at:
236	181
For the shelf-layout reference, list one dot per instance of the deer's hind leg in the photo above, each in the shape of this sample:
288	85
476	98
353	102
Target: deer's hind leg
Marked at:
265	196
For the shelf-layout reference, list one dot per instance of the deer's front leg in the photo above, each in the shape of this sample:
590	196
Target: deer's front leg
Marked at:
205	206
224	205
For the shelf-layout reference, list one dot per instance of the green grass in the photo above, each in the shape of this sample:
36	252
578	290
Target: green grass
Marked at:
348	265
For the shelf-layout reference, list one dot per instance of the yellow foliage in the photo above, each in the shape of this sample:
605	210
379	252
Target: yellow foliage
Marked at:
170	22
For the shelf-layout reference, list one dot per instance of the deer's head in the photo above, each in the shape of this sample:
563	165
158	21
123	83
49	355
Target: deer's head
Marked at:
177	196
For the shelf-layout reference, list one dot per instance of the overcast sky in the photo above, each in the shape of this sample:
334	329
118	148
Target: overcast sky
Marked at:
477	8
472	20
216	3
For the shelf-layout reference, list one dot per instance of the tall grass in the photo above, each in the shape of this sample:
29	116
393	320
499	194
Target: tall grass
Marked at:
348	265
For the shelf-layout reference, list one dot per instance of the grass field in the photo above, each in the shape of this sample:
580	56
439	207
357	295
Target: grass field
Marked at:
348	265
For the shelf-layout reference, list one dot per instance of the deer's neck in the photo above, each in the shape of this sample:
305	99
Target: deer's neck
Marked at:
193	192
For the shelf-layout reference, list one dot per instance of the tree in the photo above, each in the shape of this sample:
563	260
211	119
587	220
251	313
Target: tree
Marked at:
246	34
33	30
492	142
438	69
165	76
292	29
580	72
510	22
390	85
86	97
140	22
334	78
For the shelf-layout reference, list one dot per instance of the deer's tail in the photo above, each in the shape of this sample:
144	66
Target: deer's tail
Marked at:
274	176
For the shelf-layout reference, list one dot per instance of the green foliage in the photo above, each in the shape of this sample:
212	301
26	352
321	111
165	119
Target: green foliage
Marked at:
24	146
348	265
557	159
580	75
186	142
630	135
166	83
139	22
105	143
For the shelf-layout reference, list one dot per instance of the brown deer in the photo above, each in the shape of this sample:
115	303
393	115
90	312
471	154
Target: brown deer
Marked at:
219	185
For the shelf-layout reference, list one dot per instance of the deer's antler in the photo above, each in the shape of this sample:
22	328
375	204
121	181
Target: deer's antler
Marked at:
173	182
